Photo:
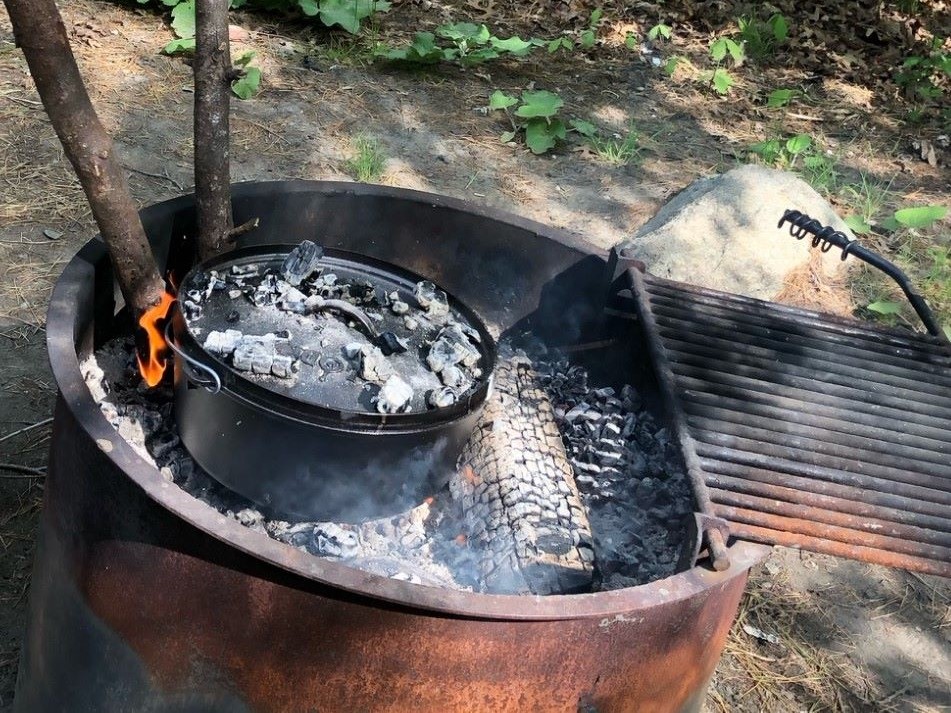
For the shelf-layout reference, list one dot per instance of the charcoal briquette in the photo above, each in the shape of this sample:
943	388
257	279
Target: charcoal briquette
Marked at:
301	262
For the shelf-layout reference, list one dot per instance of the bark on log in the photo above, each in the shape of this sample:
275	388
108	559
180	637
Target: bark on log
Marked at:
213	75
522	508
40	33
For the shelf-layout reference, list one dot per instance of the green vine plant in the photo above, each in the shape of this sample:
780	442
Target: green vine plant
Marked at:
535	116
719	78
462	42
347	14
799	153
761	38
585	40
926	76
246	85
722	50
468	44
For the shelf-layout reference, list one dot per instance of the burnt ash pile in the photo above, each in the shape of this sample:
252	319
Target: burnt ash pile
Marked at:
318	330
533	528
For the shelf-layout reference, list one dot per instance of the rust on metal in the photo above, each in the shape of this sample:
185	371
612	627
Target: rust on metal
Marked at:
807	430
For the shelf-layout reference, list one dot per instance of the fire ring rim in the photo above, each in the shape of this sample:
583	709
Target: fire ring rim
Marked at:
63	342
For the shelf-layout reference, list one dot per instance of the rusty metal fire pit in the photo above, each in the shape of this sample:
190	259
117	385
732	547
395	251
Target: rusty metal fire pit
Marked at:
146	599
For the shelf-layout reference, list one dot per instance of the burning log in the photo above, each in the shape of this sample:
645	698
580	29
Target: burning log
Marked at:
39	32
517	488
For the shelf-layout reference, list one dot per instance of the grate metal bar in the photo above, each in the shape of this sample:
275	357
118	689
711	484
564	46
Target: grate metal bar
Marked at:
807	430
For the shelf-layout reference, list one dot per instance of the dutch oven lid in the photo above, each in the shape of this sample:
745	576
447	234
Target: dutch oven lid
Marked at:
334	335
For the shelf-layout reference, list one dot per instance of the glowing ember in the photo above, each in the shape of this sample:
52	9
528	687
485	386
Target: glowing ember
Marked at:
153	368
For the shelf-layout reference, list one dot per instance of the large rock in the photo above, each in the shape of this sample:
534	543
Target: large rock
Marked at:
721	232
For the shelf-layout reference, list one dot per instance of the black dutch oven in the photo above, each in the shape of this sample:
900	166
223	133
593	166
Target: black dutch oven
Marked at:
311	458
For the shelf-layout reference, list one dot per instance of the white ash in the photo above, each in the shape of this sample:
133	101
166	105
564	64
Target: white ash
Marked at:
626	466
431	299
374	366
442	398
452	376
223	343
395	396
629	472
406	546
293	295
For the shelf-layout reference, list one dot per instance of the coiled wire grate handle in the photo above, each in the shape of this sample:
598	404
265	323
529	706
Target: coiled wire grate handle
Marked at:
826	237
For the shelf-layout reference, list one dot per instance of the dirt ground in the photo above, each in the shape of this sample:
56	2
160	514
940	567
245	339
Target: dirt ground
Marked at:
850	636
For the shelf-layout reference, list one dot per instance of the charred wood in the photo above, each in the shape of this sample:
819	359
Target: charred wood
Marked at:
523	512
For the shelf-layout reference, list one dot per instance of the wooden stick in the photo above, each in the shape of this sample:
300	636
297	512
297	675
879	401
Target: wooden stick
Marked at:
40	33
38	424
213	75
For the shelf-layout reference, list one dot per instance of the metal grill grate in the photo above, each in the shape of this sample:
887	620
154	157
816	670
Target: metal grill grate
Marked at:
806	430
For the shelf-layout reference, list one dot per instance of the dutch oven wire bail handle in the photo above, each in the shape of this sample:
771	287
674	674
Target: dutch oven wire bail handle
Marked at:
192	368
825	237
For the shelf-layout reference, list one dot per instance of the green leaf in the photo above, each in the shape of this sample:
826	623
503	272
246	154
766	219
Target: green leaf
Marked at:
780	28
768	150
539	104
722	81
857	224
735	50
718	49
183	19
947	331
780	97
515	45
422	50
585	128
501	100
920	217
308	7
245	59
889	224
348	14
596	16
465	32
724	45
541	136
538	136
586	39
180	46
478	56
167	3
885	307
671	66
507	136
630	41
798	143
659	30
247	86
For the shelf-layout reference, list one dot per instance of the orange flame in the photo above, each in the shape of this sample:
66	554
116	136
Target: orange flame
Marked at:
153	369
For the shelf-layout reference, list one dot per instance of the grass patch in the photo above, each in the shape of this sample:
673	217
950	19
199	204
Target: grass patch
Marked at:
617	150
367	164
